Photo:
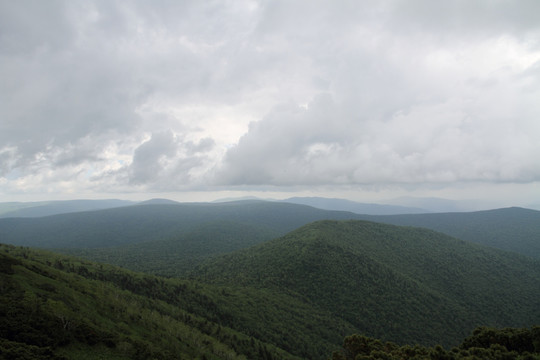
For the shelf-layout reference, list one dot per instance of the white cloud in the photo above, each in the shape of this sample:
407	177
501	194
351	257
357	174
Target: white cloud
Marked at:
164	96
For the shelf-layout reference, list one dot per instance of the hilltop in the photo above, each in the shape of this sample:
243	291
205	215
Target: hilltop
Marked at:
401	284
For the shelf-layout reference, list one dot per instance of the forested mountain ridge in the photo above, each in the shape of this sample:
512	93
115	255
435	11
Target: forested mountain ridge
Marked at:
513	229
47	208
402	284
137	223
177	236
177	255
55	307
354	206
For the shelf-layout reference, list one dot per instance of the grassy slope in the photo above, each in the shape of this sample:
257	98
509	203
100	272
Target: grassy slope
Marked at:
397	283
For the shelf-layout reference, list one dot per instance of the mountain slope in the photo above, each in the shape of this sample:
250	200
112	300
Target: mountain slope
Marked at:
63	306
353	206
58	307
177	255
513	229
47	208
132	224
397	283
176	237
56	311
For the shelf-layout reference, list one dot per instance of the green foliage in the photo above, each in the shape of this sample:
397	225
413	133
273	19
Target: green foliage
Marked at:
293	297
22	351
512	229
54	306
177	255
519	340
401	284
140	223
484	343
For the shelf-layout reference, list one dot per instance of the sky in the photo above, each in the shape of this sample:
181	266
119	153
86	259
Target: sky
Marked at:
198	100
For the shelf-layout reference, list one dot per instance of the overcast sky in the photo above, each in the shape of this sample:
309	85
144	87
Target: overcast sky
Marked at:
196	100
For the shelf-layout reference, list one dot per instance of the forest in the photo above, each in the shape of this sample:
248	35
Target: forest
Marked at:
58	307
246	283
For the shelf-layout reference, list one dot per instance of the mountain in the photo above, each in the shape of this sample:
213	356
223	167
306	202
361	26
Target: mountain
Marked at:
433	204
512	229
168	232
177	255
294	297
402	284
355	207
158	202
55	307
241	198
146	222
46	208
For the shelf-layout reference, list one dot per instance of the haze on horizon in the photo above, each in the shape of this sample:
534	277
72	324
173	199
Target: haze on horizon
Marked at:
192	100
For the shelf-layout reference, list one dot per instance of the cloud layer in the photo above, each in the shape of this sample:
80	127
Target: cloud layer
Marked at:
138	96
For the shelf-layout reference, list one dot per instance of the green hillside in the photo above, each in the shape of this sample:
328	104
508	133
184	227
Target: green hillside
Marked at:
46	208
138	223
513	229
54	306
295	297
176	225
177	255
402	284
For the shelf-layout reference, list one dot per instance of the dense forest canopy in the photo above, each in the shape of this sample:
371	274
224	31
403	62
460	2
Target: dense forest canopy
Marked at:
58	307
402	284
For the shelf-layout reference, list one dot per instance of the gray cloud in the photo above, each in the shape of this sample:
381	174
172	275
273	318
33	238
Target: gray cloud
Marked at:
26	27
467	18
455	140
148	158
167	95
166	161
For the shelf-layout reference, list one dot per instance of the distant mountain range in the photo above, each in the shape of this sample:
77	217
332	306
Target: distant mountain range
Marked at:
148	222
46	208
355	207
513	229
398	206
39	209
